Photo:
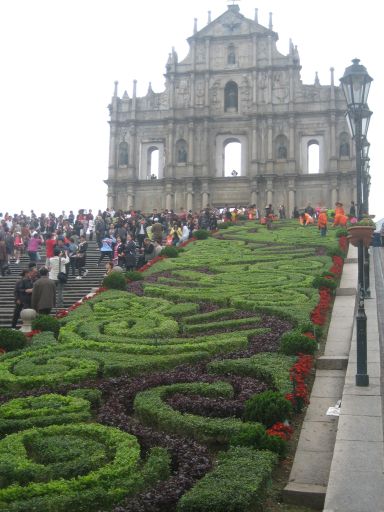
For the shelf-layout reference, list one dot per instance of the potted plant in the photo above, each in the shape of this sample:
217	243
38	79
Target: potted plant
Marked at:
362	231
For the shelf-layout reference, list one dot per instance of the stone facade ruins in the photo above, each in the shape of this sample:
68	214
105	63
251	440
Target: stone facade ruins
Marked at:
233	86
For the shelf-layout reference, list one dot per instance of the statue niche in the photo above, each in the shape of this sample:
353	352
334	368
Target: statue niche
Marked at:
281	145
344	149
181	152
231	97
231	58
123	154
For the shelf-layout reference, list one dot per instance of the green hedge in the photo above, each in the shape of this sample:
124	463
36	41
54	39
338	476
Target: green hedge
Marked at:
46	323
237	484
170	252
222	324
12	340
271	367
44	367
201	234
93	396
268	407
115	281
41	411
212	315
73	467
294	342
151	408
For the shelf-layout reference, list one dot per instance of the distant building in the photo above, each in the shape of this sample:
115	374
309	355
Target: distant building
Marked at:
233	87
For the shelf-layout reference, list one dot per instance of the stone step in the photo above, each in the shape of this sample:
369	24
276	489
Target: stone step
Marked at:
74	290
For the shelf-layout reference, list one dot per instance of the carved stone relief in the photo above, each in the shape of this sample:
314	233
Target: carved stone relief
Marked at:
280	87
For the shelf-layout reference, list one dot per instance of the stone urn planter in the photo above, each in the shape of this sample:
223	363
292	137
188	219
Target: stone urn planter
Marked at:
360	233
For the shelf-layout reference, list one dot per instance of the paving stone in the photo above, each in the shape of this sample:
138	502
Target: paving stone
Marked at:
331	387
360	428
311	467
317	436
350	387
354	491
317	410
362	455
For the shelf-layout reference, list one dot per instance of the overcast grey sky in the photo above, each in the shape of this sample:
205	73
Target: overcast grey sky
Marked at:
59	61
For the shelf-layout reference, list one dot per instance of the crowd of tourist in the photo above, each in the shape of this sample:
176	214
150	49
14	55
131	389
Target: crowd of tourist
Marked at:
127	239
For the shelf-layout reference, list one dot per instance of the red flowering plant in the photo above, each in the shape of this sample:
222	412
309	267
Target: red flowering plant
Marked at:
343	243
62	313
337	267
151	263
298	373
282	430
186	242
30	334
319	314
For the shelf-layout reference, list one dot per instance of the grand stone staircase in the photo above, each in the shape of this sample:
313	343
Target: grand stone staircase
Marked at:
74	289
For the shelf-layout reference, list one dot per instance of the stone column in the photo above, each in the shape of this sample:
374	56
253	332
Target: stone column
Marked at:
269	191
205	150
190	143
204	194
206	91
111	198
130	198
189	193
334	195
170	152
291	150
254	140
291	201
253	197
192	90
133	150
333	135
112	152
270	140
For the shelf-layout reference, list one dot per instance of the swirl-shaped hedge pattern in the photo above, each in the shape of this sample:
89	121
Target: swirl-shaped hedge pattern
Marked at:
72	467
43	410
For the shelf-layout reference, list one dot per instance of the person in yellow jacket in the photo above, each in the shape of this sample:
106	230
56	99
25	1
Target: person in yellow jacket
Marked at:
176	232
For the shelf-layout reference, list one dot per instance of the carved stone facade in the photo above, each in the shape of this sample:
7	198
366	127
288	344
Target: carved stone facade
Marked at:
233	86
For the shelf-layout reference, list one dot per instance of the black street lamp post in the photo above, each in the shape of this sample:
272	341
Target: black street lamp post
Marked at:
365	177
355	84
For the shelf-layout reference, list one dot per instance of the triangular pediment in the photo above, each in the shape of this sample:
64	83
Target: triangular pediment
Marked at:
231	23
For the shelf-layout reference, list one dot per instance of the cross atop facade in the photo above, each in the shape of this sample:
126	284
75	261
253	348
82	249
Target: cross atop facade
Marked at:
234	1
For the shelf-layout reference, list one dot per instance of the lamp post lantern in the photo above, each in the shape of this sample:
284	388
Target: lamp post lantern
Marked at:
356	83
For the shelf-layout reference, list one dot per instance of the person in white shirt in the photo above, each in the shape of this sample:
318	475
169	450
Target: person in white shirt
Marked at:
56	264
185	233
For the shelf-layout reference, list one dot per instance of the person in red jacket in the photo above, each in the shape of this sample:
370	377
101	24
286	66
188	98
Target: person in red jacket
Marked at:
49	247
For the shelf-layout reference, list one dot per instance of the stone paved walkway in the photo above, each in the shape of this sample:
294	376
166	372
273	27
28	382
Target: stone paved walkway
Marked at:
339	462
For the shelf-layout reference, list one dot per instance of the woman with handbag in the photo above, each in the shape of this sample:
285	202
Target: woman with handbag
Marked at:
57	272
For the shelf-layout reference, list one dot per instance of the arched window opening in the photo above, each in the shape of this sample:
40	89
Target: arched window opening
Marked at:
232	158
153	163
123	154
313	157
344	145
281	145
231	94
181	152
231	57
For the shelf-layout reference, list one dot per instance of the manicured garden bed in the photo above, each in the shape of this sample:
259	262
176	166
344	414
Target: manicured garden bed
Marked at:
181	375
